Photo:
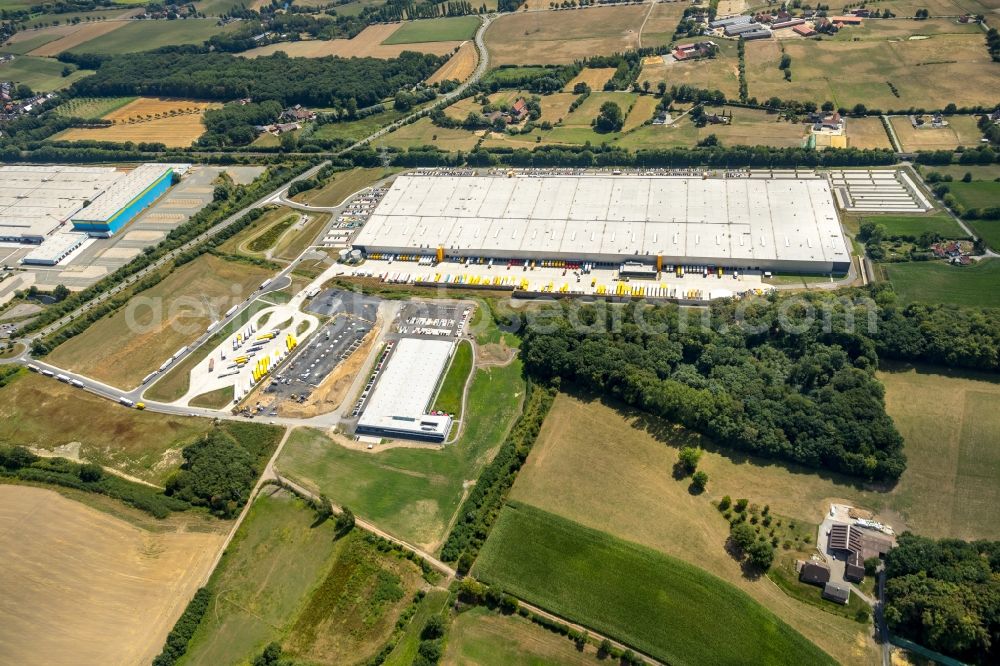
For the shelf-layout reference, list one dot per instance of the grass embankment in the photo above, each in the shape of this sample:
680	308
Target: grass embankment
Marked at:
125	346
294	242
266	240
449	397
39	412
216	399
658	604
479	636
410	492
406	649
915	225
344	183
285	578
173	385
938	282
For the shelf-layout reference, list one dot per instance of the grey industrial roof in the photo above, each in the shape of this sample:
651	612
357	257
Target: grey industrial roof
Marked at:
407	383
34	200
121	193
763	219
54	248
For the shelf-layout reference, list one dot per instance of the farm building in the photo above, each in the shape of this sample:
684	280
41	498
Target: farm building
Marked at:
741	28
37	200
840	594
731	20
814	573
125	198
403	393
804	30
784	224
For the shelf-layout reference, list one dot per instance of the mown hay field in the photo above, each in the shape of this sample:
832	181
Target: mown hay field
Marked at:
24	41
532	38
92	107
40	74
124	347
661	23
961	131
595	77
369	43
84	32
612	470
42	413
84	587
148	35
425	133
459	67
867	132
284	578
749	127
926	73
658	604
175	123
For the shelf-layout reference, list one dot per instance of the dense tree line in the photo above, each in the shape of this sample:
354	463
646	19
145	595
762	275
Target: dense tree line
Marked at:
328	82
233	124
794	392
220	468
19	463
945	595
482	506
179	637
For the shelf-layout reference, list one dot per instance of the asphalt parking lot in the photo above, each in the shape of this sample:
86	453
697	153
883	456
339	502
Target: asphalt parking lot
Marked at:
432	320
327	348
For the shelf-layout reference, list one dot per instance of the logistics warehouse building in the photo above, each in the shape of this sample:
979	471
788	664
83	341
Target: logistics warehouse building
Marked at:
125	198
402	395
778	224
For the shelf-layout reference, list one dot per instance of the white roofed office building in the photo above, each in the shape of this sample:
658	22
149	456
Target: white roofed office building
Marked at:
401	399
780	224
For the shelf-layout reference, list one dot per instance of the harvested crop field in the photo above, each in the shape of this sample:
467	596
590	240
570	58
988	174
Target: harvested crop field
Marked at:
84	587
25	41
595	77
610	470
852	72
867	133
661	23
123	348
561	37
366	44
83	32
441	29
719	73
148	35
173	122
459	67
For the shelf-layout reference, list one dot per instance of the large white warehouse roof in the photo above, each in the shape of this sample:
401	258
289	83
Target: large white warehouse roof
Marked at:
738	221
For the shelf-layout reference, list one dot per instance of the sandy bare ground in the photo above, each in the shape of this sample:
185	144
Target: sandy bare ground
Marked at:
84	33
459	67
83	587
367	43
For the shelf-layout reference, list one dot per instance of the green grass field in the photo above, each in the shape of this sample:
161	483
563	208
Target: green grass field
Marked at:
284	578
92	107
658	604
29	44
143	444
342	185
356	130
450	29
479	636
294	243
149	35
266	240
988	230
411	492
216	399
449	398
977	194
40	74
914	225
937	282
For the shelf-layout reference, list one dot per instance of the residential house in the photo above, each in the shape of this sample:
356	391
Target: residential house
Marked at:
840	594
814	573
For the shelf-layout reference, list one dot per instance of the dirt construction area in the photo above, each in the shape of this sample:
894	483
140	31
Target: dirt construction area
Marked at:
175	123
366	44
83	587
